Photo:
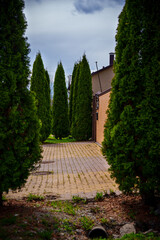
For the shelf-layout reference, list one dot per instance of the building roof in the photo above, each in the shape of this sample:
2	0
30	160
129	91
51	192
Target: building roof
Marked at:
102	69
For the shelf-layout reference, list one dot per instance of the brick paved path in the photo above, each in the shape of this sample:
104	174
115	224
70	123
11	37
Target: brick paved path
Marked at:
69	169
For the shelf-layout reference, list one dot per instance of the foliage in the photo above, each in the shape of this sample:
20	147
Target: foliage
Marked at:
32	197
52	140
74	99
140	236
41	87
66	207
68	225
82	124
104	221
131	141
77	199
71	93
132	236
48	104
19	125
87	223
4	198
60	105
99	196
46	234
95	209
81	103
8	221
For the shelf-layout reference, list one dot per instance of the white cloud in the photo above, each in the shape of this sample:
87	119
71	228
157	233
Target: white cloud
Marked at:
61	33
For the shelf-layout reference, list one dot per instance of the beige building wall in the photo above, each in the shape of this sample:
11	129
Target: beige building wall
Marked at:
105	75
103	106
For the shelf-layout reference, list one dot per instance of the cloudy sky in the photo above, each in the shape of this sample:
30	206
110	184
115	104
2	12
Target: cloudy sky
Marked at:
63	30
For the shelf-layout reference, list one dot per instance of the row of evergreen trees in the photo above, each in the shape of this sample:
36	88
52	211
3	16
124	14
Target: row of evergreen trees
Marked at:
77	120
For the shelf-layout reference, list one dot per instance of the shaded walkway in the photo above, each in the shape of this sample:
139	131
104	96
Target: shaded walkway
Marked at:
68	169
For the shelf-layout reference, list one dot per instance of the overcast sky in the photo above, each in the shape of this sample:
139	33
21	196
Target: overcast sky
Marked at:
63	30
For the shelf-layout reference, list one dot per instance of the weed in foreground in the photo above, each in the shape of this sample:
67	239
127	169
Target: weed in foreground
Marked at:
8	221
99	196
4	198
87	223
95	209
68	226
77	199
66	207
140	236
45	235
132	214
104	221
32	197
56	223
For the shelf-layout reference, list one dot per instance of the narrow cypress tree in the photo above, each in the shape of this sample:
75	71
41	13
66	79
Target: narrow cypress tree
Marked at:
71	93
19	125
83	119
74	100
48	104
39	85
132	138
60	105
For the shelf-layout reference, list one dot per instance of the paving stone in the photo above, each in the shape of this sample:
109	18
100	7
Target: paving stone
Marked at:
69	169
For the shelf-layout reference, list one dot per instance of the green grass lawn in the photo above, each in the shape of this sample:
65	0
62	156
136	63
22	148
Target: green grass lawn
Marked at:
52	140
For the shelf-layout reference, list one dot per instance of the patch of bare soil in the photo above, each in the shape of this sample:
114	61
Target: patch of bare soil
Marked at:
73	220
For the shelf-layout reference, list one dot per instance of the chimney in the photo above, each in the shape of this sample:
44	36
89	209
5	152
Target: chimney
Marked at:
111	58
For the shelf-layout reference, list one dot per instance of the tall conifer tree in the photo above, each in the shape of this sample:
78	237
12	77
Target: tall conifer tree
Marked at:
74	100
132	139
83	109
39	85
60	105
71	93
19	125
48	104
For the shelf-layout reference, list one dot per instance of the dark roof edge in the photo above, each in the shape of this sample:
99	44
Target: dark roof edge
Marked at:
101	69
102	93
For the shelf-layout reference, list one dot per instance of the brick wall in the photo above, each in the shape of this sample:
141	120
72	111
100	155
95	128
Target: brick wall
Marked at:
103	106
